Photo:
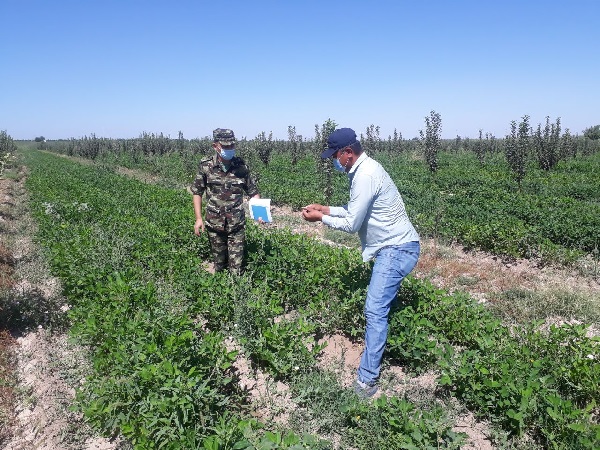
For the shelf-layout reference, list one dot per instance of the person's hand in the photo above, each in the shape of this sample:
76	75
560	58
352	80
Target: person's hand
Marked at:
313	206
311	215
261	221
199	227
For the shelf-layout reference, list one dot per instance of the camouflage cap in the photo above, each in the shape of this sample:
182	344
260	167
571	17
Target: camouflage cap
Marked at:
224	136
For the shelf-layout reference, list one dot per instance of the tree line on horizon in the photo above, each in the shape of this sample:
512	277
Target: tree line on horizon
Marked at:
546	144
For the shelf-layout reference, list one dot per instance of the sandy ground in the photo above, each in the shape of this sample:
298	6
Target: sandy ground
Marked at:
42	417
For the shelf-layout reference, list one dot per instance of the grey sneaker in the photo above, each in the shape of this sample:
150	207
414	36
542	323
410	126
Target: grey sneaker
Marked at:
364	390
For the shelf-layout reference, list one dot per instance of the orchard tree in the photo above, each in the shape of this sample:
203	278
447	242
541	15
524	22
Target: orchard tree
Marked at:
431	139
547	144
324	166
517	148
592	133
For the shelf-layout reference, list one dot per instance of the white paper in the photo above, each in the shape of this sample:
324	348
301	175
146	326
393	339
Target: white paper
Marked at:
260	208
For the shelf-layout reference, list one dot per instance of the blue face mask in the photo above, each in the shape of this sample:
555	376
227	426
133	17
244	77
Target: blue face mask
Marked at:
227	154
338	166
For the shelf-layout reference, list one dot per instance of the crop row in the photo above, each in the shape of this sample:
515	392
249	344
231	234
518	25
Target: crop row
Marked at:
550	215
154	323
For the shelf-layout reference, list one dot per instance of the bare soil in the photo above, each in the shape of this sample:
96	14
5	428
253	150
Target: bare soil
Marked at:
45	362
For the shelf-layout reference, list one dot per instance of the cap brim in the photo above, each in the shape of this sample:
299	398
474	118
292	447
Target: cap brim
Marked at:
328	152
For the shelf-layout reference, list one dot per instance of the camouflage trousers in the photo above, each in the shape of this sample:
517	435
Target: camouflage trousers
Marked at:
228	249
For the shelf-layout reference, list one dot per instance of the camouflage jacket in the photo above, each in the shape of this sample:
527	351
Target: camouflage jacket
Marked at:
224	192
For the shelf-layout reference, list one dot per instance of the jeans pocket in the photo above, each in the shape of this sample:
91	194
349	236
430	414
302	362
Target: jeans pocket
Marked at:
404	257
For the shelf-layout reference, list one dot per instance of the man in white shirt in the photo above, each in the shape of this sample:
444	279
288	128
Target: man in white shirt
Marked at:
376	211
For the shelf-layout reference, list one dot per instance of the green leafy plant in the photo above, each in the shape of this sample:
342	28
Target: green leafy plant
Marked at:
431	139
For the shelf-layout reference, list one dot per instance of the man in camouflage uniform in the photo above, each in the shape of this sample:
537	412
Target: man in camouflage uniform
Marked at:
225	178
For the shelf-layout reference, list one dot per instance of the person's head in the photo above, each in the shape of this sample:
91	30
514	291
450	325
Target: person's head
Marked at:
224	143
343	146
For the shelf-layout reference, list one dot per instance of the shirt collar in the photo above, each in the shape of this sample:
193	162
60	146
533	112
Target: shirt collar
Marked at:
363	156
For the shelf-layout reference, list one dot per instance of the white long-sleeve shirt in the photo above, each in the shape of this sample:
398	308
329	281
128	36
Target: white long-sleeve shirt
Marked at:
375	210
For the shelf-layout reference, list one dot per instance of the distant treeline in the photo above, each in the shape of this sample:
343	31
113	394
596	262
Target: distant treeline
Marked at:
547	144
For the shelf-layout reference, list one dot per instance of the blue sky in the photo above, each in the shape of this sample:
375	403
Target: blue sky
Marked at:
119	68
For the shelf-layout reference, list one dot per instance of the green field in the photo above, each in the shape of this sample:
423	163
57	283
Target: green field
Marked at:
156	324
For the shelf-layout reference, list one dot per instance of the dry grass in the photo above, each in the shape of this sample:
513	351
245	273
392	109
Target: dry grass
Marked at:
7	263
8	383
518	290
8	378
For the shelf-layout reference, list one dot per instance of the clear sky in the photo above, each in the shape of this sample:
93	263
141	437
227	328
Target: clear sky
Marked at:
118	68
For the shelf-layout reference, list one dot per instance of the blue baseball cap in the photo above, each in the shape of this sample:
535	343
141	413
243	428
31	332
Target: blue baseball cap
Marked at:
340	138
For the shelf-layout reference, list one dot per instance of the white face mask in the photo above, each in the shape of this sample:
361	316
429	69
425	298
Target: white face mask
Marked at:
227	155
337	165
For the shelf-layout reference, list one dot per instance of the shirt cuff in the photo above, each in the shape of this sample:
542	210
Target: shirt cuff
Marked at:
337	211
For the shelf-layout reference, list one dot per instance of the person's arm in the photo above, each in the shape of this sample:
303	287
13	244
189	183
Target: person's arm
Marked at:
198	187
314	212
199	225
317	207
361	196
250	185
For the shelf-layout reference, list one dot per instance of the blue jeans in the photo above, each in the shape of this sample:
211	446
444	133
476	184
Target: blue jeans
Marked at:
392	264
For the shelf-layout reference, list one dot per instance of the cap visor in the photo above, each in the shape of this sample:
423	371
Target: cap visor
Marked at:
328	152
